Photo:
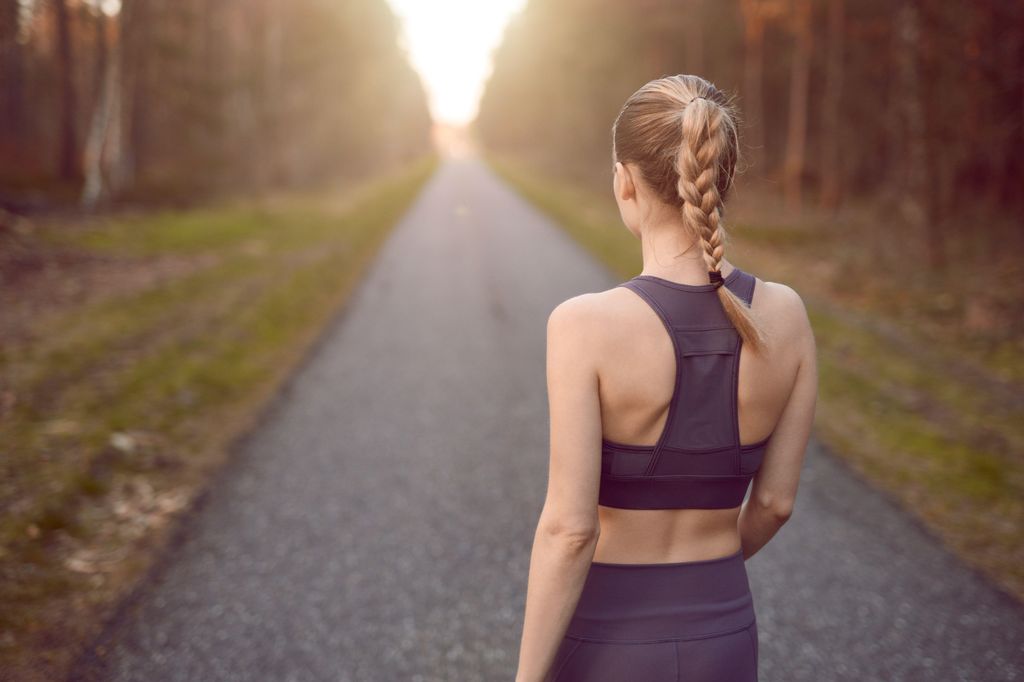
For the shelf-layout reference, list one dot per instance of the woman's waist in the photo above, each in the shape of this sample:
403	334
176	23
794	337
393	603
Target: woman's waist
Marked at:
665	535
667	600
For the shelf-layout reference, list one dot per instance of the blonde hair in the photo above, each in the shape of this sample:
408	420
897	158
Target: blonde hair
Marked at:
681	133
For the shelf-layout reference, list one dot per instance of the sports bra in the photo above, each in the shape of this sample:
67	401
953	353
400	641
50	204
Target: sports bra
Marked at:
698	461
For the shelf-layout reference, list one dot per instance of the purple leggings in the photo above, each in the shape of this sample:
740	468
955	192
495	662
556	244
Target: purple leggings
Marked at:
691	621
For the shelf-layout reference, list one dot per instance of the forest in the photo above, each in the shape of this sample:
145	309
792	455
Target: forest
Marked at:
917	105
170	101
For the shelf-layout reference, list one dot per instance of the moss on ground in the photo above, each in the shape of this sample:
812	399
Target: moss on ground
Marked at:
125	405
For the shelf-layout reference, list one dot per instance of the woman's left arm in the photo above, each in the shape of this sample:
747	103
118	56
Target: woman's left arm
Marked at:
567	531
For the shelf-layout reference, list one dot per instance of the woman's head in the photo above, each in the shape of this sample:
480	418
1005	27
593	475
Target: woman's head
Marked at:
678	136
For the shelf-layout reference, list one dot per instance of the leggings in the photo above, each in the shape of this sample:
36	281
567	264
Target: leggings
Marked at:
691	621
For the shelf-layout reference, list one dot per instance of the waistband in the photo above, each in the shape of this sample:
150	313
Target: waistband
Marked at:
664	601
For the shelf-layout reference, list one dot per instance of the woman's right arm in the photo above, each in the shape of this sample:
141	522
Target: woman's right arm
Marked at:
773	492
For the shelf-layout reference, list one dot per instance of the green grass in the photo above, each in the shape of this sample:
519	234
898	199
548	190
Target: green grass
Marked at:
182	364
938	428
931	420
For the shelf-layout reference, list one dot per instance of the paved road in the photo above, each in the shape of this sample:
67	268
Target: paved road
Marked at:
377	526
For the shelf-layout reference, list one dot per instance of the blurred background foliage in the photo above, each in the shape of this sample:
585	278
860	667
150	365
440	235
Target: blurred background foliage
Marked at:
169	100
918	105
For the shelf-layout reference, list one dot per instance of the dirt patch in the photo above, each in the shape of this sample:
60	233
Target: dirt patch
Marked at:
40	280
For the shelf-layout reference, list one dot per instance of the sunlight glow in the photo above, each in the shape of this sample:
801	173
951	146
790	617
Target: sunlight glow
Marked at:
449	43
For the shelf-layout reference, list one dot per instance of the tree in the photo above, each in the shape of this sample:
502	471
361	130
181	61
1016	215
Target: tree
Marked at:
796	133
12	93
832	131
68	161
757	14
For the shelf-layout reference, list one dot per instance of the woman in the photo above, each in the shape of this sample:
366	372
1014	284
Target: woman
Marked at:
689	386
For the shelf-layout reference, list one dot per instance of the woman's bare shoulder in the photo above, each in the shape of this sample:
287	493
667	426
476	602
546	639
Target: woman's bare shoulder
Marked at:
577	312
784	308
596	304
596	313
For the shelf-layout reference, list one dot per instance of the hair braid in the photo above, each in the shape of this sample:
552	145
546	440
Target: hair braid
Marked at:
682	133
705	141
702	145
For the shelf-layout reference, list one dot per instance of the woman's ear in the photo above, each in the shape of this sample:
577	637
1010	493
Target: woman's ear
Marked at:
623	183
625	196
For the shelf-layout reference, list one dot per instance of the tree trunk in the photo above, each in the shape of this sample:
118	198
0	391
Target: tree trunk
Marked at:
832	180
1014	167
67	164
103	132
938	171
919	204
271	96
125	147
753	79
796	135
695	37
100	69
11	81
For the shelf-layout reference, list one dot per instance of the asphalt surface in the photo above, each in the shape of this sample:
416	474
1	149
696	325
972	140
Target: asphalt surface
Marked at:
377	525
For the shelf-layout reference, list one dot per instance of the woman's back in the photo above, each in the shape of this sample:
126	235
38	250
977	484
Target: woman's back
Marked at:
671	395
636	381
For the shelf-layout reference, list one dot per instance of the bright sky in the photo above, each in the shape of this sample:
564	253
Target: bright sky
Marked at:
449	43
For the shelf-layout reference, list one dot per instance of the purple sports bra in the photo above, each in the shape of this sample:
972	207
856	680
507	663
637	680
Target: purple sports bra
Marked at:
698	461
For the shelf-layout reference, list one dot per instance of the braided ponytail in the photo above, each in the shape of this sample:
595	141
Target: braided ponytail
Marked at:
681	131
705	139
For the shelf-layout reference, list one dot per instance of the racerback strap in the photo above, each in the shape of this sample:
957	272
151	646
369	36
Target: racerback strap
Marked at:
702	420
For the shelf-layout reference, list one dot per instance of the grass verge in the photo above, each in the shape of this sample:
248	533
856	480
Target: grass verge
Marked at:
116	410
928	410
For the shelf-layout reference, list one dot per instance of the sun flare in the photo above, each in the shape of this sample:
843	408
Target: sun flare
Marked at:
449	42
